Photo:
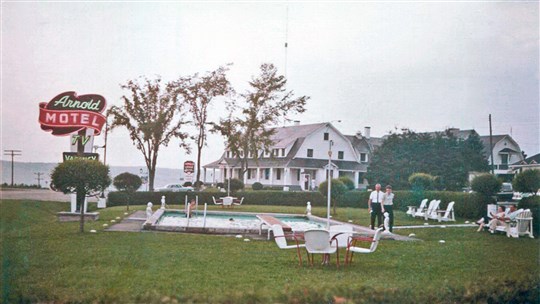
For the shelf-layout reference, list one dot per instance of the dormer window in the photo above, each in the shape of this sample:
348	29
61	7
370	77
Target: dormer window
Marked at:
266	153
363	157
309	152
282	152
340	155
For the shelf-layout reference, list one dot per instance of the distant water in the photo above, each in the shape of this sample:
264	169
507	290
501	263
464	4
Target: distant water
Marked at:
26	173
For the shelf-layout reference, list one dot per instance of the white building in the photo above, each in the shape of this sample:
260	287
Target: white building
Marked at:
299	158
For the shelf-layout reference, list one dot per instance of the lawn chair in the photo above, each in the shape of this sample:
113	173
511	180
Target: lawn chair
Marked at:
281	241
421	211
237	202
412	209
218	202
351	248
431	212
525	223
318	241
446	215
341	234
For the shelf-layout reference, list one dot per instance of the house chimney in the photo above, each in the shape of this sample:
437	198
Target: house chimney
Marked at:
359	134
367	132
297	122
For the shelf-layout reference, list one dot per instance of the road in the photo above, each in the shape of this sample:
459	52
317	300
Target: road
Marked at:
35	194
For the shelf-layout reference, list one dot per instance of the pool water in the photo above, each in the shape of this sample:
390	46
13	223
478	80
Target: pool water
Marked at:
232	221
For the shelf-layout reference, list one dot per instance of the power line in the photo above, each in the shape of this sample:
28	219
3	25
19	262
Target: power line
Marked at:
13	153
39	174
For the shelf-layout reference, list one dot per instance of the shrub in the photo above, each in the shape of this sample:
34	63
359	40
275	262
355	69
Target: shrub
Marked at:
219	185
527	181
486	184
187	184
198	184
347	182
235	184
128	183
421	181
257	186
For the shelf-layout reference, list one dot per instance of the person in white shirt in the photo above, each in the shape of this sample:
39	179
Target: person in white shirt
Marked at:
388	206
375	206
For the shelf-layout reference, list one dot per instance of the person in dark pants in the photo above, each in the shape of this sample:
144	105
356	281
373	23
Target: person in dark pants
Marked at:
374	206
388	205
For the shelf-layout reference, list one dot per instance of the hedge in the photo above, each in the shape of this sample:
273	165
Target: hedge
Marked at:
467	205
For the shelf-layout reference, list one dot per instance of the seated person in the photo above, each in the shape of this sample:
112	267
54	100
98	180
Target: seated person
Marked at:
495	218
500	220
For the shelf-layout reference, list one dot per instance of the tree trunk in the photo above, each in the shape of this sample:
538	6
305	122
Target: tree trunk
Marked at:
80	201
199	152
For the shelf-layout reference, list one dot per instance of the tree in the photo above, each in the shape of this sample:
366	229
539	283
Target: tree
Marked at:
442	155
486	184
152	115
336	192
260	108
421	181
199	92
128	183
347	182
82	176
527	181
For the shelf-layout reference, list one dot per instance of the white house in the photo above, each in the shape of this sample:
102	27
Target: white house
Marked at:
529	163
300	158
506	151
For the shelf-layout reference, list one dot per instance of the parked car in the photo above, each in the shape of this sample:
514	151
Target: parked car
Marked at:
174	188
507	192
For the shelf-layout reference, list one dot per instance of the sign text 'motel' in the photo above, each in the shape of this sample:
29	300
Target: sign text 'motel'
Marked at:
68	113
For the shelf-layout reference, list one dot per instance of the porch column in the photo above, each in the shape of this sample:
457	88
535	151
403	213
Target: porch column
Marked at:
356	175
272	176
286	172
244	177
258	174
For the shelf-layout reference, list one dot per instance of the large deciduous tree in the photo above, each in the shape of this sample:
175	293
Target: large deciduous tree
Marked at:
153	115
447	158
249	126
82	176
198	92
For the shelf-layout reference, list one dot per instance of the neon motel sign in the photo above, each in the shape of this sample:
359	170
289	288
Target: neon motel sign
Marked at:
68	113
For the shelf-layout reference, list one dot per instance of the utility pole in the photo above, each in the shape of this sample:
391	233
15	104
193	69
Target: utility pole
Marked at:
491	146
13	153
39	174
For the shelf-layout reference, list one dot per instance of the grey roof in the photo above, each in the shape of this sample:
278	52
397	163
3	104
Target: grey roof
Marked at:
285	136
535	159
321	163
496	139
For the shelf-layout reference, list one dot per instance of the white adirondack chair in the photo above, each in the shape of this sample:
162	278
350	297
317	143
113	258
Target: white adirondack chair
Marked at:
412	209
525	223
431	212
421	211
448	214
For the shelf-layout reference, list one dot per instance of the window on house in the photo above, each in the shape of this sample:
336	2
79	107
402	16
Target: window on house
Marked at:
298	175
249	173
283	152
228	154
267	173
266	153
278	174
275	152
504	159
309	152
340	155
326	136
363	157
241	153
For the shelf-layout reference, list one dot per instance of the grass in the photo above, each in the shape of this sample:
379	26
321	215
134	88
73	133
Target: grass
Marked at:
47	261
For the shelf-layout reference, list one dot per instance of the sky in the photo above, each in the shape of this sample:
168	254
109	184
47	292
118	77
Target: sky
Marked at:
422	65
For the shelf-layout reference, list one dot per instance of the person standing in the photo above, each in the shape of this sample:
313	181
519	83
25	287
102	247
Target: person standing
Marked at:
388	205
375	206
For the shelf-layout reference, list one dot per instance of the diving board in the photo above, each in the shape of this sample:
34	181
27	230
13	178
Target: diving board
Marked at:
269	220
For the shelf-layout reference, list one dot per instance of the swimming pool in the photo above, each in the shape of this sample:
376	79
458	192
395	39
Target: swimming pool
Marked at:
225	222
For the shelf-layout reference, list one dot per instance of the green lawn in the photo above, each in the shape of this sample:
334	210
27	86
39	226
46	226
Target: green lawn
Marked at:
47	261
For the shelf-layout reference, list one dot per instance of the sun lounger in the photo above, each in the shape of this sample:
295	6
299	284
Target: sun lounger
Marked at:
269	221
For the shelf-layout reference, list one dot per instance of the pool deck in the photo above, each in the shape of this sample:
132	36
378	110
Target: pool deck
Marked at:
135	221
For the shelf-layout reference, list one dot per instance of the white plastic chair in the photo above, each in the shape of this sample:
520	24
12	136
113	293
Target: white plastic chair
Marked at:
318	241
216	202
238	203
281	241
341	234
421	211
351	248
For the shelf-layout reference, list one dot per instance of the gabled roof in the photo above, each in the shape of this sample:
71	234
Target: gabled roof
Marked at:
531	160
496	139
285	136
